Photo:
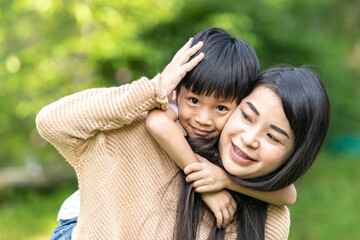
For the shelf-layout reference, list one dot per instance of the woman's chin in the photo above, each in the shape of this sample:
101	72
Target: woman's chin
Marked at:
231	168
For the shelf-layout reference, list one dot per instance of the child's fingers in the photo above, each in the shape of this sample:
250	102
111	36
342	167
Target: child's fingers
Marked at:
232	211
194	176
192	167
228	213
233	204
226	217
200	183
231	208
219	218
202	189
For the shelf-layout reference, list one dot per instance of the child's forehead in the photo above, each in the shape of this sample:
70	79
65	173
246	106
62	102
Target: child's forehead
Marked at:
190	93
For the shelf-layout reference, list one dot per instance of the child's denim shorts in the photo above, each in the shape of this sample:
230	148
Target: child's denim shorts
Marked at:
64	230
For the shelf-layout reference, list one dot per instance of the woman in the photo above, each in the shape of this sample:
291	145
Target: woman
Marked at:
129	187
269	141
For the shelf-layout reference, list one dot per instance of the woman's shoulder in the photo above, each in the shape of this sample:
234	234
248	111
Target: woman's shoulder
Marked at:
277	222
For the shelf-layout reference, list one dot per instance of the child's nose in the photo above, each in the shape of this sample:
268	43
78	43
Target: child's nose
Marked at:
203	117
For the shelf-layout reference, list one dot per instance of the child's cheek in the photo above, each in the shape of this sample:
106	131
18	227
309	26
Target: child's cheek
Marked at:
223	122
220	126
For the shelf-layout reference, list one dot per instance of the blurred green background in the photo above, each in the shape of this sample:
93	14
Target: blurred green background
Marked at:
51	48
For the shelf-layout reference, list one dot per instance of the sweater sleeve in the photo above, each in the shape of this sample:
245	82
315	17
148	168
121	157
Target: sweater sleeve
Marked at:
277	225
70	122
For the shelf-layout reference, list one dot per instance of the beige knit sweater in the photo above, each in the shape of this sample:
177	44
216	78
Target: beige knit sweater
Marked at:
126	181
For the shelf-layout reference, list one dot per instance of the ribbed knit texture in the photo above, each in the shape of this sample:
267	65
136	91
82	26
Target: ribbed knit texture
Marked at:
128	185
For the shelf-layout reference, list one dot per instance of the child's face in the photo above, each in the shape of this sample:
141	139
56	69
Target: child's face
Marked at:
257	138
202	116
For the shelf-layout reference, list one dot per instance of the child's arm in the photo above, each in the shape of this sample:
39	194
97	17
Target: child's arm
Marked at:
208	177
285	196
161	125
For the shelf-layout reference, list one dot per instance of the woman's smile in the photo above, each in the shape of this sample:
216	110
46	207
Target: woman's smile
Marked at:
240	156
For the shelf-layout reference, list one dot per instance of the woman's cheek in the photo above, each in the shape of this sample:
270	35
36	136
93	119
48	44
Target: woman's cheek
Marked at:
278	155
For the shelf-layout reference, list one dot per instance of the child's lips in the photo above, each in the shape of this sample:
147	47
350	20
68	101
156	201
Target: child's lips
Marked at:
200	132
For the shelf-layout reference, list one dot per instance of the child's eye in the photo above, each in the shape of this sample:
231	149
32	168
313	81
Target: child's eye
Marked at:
193	101
221	108
272	137
245	116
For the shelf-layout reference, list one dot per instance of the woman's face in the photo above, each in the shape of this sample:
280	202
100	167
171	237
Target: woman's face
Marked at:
257	138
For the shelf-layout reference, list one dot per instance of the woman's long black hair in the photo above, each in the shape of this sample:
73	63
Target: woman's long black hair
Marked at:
306	106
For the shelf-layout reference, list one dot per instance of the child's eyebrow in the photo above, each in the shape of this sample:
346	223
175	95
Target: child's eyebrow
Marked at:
223	100
253	108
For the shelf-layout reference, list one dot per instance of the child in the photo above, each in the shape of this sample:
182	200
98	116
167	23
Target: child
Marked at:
211	91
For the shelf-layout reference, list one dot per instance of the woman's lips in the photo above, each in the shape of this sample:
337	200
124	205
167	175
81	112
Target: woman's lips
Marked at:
240	156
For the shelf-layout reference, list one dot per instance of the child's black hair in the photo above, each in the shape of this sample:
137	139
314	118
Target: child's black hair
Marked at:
229	67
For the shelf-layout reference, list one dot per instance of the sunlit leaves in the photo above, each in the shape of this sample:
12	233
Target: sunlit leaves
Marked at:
51	48
13	64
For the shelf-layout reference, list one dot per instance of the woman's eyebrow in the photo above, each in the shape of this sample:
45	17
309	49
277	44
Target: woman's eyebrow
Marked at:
276	128
279	130
253	108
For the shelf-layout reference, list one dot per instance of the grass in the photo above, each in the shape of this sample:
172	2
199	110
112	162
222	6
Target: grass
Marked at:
31	215
327	205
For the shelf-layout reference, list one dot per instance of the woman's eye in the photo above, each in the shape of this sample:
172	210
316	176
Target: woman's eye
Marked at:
221	108
272	137
245	116
193	101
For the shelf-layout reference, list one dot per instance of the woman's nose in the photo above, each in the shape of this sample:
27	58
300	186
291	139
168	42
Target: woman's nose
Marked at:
250	138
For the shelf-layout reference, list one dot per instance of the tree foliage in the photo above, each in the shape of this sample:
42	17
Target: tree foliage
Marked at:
56	47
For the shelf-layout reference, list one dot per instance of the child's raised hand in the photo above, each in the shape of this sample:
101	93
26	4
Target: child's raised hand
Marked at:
223	206
180	65
207	177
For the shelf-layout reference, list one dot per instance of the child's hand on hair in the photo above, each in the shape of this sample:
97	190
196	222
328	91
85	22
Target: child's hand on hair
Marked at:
222	205
180	65
207	177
